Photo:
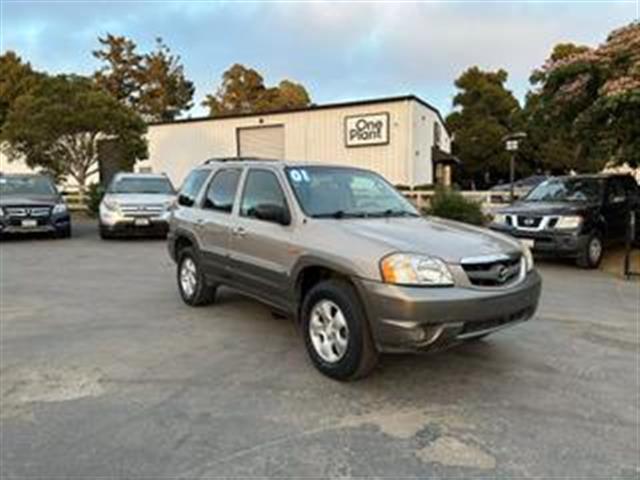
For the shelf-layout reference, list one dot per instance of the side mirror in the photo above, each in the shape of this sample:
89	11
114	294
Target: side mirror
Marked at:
270	212
185	201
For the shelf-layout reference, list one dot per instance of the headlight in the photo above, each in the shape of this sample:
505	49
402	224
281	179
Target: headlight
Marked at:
1	212
59	208
410	269
568	222
500	218
528	258
110	205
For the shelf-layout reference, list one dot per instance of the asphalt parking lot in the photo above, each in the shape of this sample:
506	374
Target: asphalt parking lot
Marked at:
106	373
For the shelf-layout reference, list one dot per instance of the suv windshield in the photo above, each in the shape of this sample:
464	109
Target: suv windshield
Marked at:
567	190
142	185
346	192
27	185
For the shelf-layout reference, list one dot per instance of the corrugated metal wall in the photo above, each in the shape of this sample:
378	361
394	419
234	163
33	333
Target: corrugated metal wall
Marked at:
316	135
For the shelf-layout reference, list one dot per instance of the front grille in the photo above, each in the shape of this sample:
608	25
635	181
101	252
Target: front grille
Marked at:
24	212
145	210
493	272
528	221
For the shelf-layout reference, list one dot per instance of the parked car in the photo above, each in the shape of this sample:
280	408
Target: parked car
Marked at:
574	216
346	255
32	204
136	204
520	187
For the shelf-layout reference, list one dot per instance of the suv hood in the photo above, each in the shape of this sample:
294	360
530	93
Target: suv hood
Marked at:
27	200
547	208
140	198
448	240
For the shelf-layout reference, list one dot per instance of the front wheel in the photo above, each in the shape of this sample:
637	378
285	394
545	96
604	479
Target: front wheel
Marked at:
592	252
336	331
192	283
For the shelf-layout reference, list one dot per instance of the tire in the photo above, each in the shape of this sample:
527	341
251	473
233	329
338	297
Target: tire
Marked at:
104	233
336	331
192	283
64	233
591	254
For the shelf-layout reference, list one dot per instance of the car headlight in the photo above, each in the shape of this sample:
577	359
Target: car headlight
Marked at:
500	218
568	222
1	212
411	269
110	205
59	208
528	259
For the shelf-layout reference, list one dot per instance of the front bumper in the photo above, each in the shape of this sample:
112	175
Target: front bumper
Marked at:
549	242
117	224
419	318
51	224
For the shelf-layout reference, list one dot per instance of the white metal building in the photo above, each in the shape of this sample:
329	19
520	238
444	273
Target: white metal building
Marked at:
402	138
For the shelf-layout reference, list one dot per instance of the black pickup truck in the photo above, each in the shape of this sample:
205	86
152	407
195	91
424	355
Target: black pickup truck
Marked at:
574	216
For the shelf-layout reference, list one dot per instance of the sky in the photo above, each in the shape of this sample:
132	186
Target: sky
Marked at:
344	50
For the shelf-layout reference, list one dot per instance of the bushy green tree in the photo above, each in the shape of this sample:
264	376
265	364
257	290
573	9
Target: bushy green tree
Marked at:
484	112
16	78
154	83
243	91
57	126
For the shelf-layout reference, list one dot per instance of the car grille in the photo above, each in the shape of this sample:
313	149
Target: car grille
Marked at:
528	221
146	210
493	272
24	212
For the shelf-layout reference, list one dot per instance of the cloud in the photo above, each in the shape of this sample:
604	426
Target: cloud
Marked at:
338	50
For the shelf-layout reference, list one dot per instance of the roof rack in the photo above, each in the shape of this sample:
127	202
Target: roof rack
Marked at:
238	159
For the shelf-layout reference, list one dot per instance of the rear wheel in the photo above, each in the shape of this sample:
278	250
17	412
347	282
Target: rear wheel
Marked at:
592	252
192	283
336	331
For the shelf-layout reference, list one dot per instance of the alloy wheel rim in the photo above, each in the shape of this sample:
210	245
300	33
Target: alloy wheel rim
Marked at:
595	250
328	331
188	279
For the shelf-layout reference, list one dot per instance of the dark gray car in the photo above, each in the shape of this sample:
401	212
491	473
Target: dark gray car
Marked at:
31	203
347	256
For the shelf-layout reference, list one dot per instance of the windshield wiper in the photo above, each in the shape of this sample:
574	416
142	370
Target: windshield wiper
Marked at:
340	214
394	213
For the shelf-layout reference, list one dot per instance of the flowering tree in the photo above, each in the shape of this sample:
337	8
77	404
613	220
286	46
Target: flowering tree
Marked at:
587	100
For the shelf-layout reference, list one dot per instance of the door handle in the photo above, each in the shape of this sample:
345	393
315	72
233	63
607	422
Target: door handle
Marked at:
239	232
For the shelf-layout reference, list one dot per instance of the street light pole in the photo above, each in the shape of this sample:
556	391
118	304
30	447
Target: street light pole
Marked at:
512	142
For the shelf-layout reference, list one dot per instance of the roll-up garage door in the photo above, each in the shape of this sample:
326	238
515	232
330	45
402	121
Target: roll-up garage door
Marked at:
263	142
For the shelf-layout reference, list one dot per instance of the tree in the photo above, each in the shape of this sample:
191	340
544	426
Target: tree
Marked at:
58	125
591	97
243	91
16	78
485	111
154	83
120	74
164	90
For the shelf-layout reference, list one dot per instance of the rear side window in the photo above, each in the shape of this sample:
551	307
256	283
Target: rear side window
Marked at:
191	187
222	191
261	188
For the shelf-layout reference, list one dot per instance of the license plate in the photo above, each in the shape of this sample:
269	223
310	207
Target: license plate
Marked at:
29	223
142	222
527	242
